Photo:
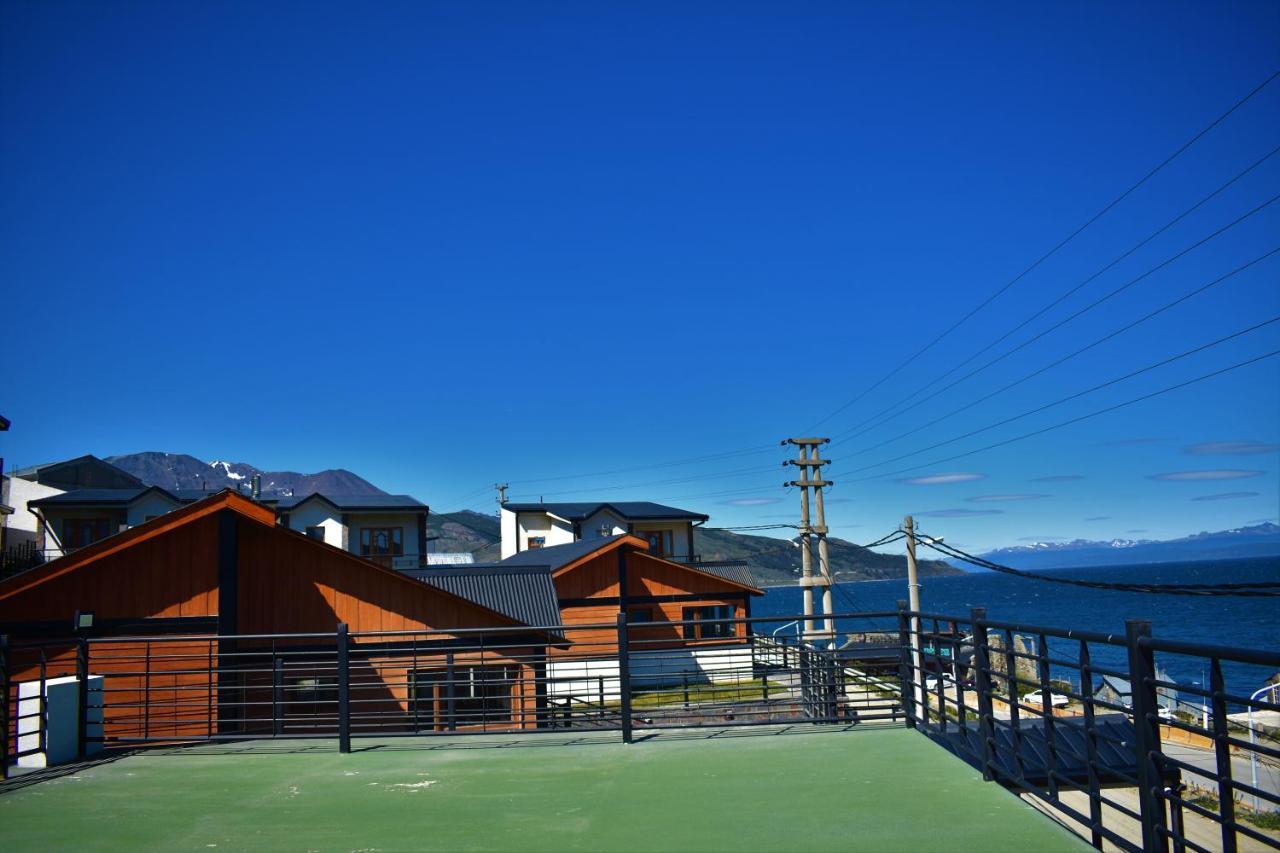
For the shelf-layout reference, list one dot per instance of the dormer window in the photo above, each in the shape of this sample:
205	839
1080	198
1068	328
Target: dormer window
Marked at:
382	541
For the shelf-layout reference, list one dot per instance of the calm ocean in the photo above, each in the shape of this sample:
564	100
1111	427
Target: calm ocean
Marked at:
1229	621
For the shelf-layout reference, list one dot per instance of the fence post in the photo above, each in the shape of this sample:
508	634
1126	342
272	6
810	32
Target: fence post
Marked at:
4	706
1222	755
624	676
82	697
905	678
344	690
1146	727
982	684
277	693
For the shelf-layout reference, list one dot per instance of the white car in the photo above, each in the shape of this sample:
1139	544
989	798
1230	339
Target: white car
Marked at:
931	683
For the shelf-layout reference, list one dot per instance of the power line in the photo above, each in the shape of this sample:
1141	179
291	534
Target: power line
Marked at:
1077	395
728	454
1252	590
1077	420
1186	145
1062	360
1086	309
1062	297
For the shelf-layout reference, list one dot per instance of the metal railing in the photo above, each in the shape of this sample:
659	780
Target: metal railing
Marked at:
1043	711
1037	709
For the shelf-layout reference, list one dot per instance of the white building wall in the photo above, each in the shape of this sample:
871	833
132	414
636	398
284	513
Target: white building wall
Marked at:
507	522
588	680
406	521
591	526
152	504
555	531
21	526
317	514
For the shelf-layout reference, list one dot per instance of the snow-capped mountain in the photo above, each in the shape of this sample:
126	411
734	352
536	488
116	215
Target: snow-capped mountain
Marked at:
1257	540
181	471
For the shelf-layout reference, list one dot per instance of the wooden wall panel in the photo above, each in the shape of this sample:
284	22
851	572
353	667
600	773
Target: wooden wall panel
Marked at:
171	574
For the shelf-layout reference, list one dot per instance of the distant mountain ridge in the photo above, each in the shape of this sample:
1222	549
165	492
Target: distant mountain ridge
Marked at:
1257	540
181	471
774	561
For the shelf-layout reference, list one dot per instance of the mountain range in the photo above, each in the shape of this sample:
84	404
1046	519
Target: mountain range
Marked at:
1257	540
773	560
180	471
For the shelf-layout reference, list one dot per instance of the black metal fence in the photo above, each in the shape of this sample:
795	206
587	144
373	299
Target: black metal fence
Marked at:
1041	710
1033	709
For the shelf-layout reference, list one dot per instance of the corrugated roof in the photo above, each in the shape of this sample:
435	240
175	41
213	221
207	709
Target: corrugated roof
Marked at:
633	510
732	570
525	593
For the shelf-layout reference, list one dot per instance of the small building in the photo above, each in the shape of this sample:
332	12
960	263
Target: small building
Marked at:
689	605
25	527
667	530
389	529
1118	691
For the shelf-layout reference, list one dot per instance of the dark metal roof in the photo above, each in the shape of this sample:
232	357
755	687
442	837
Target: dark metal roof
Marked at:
359	503
732	570
630	510
524	593
556	557
94	497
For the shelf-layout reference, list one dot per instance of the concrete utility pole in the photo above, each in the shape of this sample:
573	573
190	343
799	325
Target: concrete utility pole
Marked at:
913	596
502	492
810	464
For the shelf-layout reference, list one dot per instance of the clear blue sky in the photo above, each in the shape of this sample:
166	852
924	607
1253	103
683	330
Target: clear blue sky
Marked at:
444	244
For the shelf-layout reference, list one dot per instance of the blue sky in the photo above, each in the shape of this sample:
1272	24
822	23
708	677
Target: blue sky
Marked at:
448	244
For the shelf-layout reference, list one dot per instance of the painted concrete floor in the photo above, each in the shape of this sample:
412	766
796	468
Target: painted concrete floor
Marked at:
792	789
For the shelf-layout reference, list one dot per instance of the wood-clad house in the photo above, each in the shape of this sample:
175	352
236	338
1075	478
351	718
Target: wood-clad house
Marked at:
222	567
688	603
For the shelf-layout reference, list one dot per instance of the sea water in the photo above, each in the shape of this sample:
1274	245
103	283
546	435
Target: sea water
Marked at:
1226	621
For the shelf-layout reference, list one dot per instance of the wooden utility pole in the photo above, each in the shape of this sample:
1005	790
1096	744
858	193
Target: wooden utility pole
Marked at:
810	464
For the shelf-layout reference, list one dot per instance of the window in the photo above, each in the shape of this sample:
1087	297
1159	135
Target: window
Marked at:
659	541
382	541
481	694
316	532
311	696
78	532
707	622
640	614
537	542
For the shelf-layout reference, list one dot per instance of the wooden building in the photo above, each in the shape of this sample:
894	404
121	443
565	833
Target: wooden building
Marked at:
199	589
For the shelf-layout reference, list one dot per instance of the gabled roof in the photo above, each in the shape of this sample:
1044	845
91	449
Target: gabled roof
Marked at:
525	593
628	510
557	557
40	472
351	503
561	558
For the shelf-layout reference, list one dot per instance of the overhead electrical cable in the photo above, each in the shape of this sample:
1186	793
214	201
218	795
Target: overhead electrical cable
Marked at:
1055	303
1078	419
1261	589
1107	208
1077	395
1071	317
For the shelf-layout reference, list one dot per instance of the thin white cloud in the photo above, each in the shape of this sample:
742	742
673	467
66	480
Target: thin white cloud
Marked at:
1230	448
1099	518
978	499
751	501
1058	478
957	513
1208	474
1041	538
943	479
1226	496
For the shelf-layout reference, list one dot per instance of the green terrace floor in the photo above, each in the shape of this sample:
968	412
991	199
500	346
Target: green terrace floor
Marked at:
787	788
